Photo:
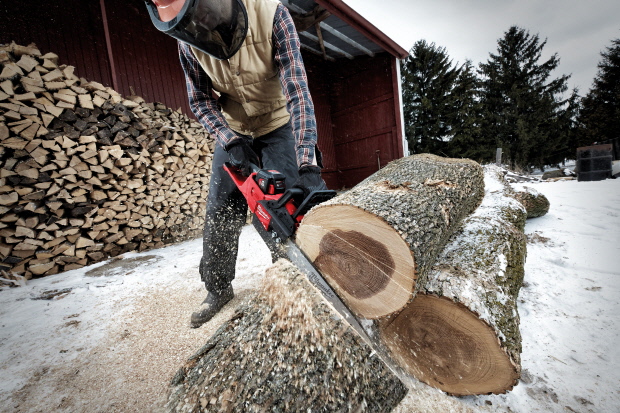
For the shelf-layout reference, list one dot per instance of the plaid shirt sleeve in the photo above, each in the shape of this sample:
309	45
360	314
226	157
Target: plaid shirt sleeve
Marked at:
295	85
201	102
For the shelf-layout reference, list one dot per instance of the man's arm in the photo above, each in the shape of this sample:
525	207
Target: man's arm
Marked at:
202	104
295	86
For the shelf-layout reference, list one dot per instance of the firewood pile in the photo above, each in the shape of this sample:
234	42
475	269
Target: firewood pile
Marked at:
87	174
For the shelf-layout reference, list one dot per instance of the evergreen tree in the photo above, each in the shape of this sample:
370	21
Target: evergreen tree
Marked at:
600	114
523	112
428	78
562	141
465	120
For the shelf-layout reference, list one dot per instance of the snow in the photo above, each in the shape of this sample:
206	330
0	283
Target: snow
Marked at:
569	307
570	303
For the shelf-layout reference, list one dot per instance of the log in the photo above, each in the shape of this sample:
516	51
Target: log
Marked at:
535	203
462	334
376	243
457	328
282	351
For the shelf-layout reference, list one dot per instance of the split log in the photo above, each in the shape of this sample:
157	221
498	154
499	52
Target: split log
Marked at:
284	351
75	166
377	242
461	334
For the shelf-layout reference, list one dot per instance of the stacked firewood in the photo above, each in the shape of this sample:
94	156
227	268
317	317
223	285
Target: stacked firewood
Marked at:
86	174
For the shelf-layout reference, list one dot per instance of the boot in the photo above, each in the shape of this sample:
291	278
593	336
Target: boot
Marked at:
211	306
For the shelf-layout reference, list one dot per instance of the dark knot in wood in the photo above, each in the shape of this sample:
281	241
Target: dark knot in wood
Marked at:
361	265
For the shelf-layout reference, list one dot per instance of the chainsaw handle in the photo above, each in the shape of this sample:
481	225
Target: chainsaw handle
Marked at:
290	193
237	171
254	168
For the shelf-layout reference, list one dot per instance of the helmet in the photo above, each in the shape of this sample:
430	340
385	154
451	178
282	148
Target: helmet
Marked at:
216	27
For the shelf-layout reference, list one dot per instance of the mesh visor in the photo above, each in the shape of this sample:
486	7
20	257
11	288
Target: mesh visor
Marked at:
217	27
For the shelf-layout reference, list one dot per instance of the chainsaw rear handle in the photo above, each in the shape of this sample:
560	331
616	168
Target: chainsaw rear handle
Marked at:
253	168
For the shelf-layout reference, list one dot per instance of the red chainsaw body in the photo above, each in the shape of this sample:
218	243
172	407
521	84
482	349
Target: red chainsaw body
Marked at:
253	195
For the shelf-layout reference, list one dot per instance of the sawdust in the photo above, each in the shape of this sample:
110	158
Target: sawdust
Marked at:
129	371
537	238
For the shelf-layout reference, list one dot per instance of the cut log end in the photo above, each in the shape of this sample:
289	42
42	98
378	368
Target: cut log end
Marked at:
447	346
359	243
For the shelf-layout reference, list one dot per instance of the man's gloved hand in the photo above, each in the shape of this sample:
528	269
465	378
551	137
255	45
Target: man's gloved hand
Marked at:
241	155
310	179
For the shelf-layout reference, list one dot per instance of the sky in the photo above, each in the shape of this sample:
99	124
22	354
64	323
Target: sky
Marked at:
577	30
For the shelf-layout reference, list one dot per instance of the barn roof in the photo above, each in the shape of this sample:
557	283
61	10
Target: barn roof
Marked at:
334	30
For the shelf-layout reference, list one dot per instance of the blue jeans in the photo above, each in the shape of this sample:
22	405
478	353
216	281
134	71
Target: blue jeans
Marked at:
227	208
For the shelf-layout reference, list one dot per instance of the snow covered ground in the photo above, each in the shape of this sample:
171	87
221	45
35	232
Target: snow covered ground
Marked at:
570	302
110	336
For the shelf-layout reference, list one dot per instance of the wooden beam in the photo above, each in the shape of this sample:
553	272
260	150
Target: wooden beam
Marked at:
108	43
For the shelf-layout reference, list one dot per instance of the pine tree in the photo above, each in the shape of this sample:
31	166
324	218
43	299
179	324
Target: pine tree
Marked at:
600	114
562	141
466	140
428	78
522	108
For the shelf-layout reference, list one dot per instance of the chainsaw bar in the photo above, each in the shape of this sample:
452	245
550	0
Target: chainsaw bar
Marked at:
279	212
302	262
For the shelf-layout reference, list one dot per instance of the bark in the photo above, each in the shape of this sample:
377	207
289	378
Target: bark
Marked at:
285	351
377	242
462	333
535	203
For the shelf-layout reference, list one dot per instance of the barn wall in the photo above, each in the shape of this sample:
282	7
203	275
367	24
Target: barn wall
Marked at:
320	81
364	118
145	61
362	121
73	29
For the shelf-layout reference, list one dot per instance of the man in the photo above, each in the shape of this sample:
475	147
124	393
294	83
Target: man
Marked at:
248	52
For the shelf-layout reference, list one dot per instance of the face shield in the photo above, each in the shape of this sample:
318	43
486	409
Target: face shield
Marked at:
216	27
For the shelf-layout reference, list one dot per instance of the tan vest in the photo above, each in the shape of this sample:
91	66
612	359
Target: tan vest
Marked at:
248	83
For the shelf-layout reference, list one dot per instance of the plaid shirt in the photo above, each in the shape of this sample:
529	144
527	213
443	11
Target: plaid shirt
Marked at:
294	86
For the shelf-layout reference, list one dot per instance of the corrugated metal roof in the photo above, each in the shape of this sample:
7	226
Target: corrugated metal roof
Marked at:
333	30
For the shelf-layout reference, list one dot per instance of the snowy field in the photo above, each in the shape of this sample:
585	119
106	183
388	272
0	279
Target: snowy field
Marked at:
108	338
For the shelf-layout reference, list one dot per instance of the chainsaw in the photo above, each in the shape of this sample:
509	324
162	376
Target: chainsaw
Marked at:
280	211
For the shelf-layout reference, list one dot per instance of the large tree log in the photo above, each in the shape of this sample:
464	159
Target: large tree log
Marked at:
377	241
462	334
285	351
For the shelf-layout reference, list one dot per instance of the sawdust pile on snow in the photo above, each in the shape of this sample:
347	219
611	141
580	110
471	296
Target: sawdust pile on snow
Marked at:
112	342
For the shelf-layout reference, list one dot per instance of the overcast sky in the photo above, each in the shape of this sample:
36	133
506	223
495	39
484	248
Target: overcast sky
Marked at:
577	30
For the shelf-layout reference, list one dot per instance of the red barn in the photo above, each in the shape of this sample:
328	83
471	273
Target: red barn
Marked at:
353	68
